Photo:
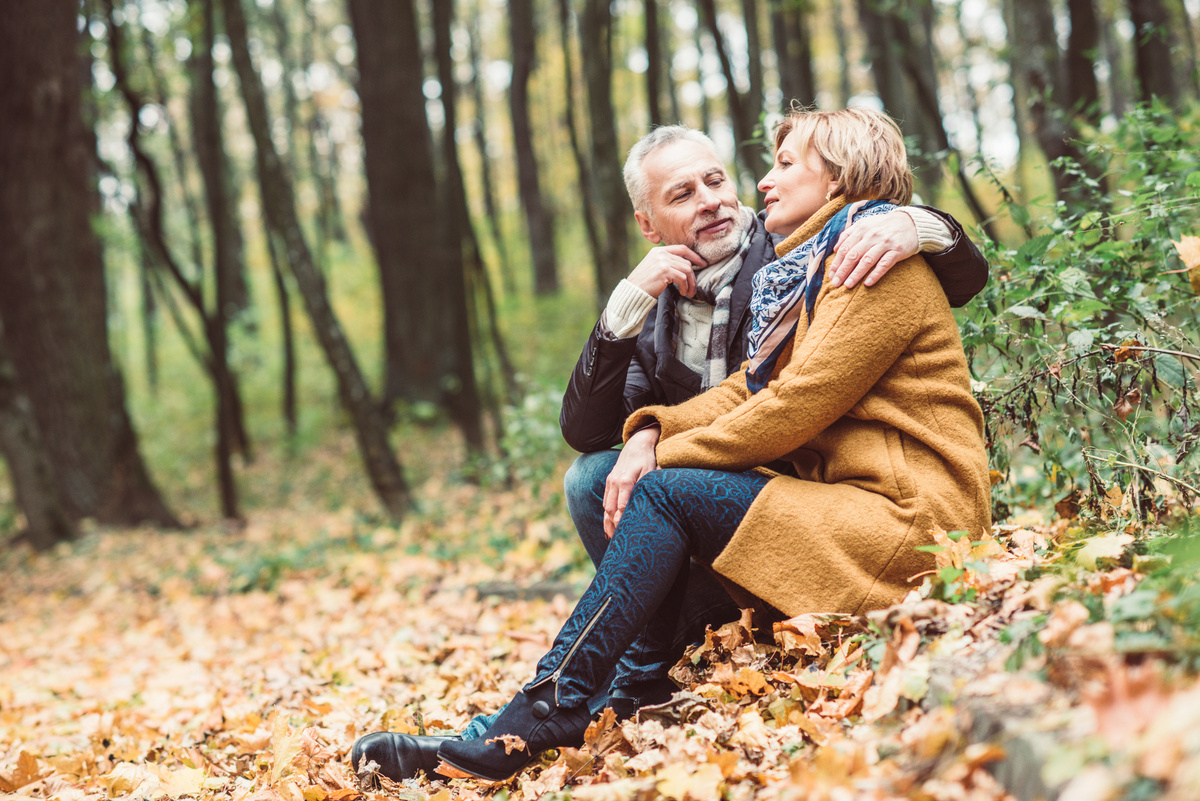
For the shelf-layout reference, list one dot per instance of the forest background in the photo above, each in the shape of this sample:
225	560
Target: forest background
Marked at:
303	281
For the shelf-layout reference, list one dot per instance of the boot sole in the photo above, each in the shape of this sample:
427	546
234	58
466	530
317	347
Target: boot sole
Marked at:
470	773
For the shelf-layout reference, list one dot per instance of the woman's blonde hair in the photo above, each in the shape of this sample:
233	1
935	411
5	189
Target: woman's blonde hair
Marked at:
863	150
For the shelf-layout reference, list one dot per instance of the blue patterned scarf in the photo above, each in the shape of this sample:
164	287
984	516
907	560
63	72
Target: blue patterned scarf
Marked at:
779	288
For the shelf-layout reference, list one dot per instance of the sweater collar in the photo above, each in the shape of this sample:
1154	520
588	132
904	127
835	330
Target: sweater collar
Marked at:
811	227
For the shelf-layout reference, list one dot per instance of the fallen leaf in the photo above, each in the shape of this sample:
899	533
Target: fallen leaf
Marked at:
690	783
1106	548
511	742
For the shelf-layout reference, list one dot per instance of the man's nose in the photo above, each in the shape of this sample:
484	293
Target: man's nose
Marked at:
708	199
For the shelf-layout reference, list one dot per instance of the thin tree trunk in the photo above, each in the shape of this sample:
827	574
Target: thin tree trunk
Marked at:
479	129
539	218
280	211
743	108
595	38
283	297
842	38
52	290
583	166
150	223
464	404
793	52
654	63
1083	45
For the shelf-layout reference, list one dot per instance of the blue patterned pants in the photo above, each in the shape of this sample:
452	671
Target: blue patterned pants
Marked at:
639	591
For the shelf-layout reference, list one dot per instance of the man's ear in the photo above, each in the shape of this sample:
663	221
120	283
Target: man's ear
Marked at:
647	225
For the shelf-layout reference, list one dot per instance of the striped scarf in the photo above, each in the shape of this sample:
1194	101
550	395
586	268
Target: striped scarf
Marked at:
718	293
779	289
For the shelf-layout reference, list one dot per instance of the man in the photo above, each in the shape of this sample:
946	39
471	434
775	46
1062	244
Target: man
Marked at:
675	327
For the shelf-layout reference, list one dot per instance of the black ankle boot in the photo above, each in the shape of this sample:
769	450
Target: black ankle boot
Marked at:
400	756
531	716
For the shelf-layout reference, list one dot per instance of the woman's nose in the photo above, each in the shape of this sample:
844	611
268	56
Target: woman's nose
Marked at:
767	181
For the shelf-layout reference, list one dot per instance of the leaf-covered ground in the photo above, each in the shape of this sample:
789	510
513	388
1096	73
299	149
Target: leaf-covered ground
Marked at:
220	664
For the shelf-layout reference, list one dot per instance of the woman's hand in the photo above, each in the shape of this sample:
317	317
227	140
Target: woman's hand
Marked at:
636	460
872	246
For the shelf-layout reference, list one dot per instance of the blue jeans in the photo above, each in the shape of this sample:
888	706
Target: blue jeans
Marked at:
645	582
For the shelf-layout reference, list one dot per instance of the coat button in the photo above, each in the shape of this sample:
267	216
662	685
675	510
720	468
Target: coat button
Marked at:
541	709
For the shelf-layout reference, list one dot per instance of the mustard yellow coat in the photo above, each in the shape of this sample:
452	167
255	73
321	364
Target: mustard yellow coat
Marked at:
873	406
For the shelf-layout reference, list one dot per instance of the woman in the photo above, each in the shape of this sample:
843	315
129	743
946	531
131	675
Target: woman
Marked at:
865	394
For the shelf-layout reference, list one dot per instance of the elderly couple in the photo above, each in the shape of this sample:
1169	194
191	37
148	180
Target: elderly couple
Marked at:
796	414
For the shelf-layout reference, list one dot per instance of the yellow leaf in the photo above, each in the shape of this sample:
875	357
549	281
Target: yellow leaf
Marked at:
685	782
1100	549
123	779
285	745
752	731
1189	252
185	781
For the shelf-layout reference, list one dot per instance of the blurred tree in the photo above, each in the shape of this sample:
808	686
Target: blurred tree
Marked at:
1041	85
790	22
148	213
1154	40
592	221
487	183
745	108
654	62
462	256
411	220
539	218
47	521
595	47
279	207
52	293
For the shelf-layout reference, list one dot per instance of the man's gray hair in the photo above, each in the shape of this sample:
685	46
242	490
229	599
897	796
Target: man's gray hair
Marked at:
635	176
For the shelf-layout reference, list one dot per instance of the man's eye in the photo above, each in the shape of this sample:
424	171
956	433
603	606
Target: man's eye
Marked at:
682	196
716	182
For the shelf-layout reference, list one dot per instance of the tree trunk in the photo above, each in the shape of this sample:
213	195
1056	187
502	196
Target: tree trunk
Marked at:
595	47
587	190
280	212
479	130
1037	67
47	521
1153	42
744	109
151	225
654	63
793	52
1083	46
52	293
459	237
539	218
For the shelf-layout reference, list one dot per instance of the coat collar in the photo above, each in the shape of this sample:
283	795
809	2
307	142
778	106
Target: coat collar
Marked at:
811	226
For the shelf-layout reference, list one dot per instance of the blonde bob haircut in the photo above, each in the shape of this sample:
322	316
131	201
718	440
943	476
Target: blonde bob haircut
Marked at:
863	150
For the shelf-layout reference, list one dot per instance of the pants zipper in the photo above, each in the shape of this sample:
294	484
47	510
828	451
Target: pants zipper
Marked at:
557	674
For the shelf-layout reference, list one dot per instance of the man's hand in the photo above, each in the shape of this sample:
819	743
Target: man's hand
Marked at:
869	248
669	264
636	460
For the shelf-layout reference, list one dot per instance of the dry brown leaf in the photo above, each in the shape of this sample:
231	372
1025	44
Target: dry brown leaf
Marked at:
511	742
685	782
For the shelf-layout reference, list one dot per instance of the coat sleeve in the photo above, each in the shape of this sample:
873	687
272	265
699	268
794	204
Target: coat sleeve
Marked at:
855	337
608	382
961	269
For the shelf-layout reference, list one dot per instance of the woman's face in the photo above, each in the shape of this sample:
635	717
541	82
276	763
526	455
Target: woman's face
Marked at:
795	187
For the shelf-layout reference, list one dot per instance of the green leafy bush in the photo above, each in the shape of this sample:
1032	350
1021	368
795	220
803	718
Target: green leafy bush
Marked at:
1085	346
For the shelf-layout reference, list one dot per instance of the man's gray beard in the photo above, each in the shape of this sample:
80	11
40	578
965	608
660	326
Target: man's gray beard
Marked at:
717	250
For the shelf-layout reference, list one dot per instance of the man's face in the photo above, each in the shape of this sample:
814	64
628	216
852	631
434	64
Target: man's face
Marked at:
691	201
